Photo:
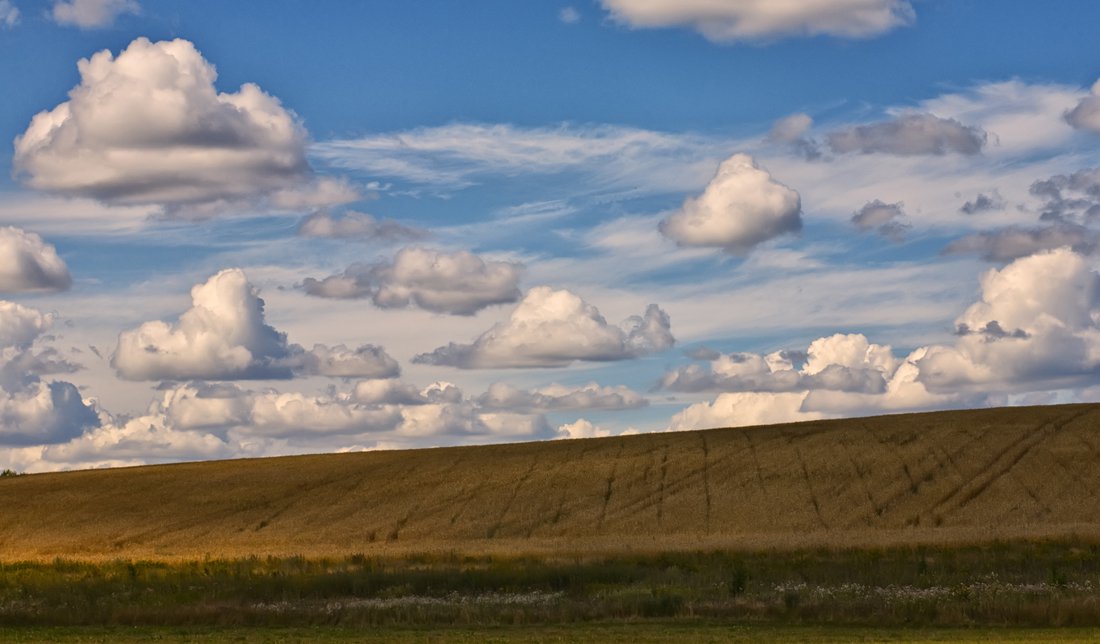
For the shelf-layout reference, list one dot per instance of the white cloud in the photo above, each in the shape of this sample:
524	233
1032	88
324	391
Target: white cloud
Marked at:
909	135
33	411
744	409
1086	114
458	283
741	207
224	336
840	362
553	328
569	15
148	127
502	395
356	225
582	428
757	20
29	264
90	14
9	14
1038	321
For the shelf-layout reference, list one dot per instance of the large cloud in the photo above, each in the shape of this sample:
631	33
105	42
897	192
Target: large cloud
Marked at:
33	411
29	264
741	207
738	20
1086	115
89	14
553	328
910	135
458	283
223	336
148	127
1038	322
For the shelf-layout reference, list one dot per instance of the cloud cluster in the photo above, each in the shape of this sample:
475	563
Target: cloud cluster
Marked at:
224	336
33	411
458	283
1086	114
553	328
841	362
356	225
887	219
91	14
1037	325
29	264
742	20
910	135
1072	198
149	127
741	207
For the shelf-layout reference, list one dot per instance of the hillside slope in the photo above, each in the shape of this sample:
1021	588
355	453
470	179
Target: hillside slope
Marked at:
914	478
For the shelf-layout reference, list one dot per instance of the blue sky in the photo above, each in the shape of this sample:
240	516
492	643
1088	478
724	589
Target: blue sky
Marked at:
243	229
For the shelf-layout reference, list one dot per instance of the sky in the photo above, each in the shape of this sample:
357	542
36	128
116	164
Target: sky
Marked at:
251	229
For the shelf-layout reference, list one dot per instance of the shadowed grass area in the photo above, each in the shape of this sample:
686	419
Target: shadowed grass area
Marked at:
1019	584
937	478
642	633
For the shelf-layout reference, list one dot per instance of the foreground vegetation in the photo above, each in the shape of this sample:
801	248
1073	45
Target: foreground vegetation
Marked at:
1000	584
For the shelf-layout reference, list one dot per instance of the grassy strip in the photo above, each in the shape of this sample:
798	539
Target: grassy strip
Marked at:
627	633
1021	584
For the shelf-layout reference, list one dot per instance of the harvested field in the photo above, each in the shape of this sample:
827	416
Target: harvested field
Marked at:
935	478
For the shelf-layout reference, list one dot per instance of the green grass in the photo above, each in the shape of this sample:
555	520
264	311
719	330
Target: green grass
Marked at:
1025	584
627	633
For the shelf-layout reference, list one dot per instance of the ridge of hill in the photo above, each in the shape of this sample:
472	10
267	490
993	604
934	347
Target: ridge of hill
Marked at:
927	478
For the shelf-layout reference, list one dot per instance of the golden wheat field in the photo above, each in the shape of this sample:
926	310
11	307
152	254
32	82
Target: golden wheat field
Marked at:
943	477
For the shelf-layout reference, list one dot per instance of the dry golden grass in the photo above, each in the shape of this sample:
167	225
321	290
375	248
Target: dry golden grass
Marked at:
936	478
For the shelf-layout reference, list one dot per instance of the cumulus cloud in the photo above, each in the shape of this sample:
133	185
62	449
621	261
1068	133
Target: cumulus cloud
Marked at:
356	225
33	411
90	14
1038	320
887	219
1086	114
910	135
744	409
1015	242
741	207
560	398
29	264
224	336
748	20
149	127
553	328
458	283
9	14
582	428
841	362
